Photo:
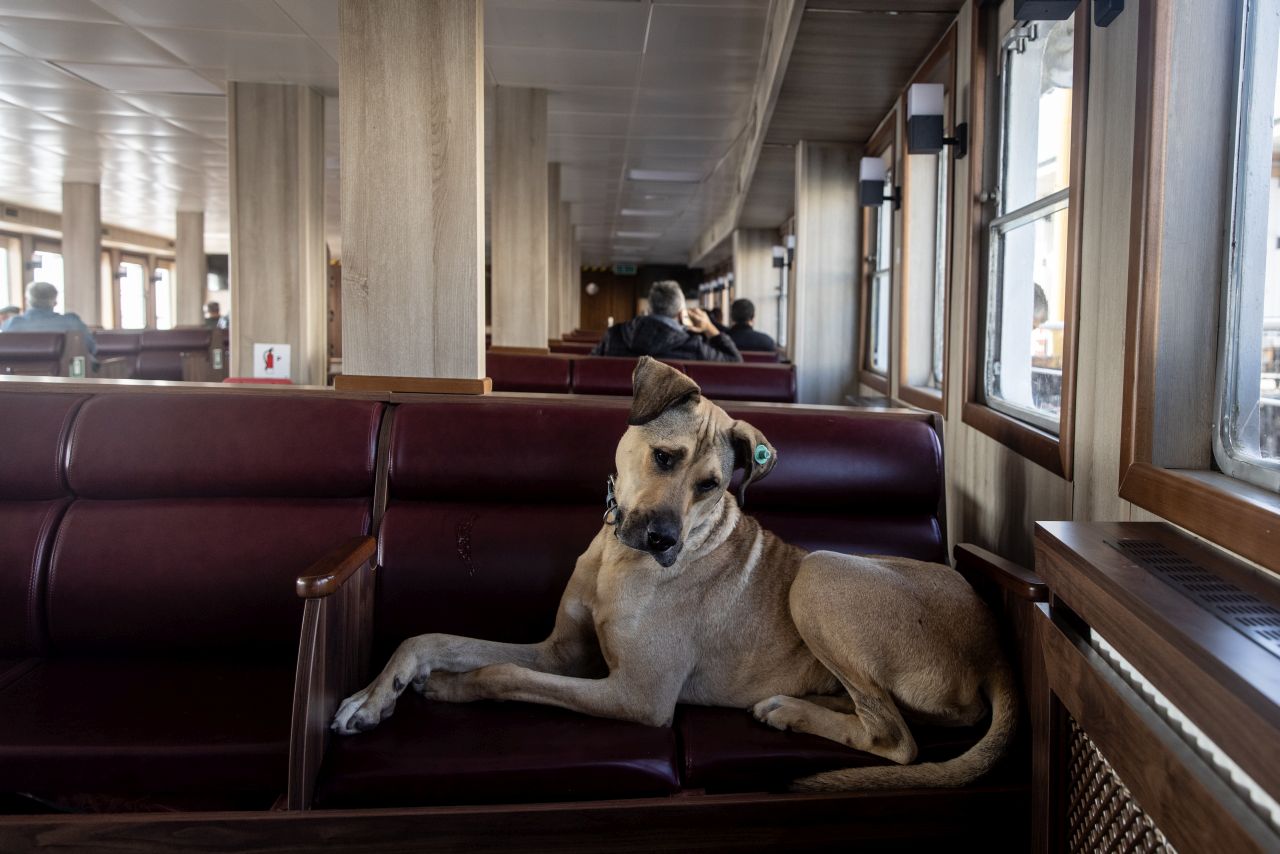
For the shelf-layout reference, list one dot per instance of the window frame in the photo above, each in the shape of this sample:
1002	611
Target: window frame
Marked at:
1052	452
1231	513
940	66
886	138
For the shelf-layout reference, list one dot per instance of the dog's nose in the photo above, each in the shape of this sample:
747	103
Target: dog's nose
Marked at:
661	537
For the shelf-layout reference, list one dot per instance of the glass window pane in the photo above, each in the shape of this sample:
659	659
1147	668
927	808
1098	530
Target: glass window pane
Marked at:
133	296
49	269
164	297
1036	159
1025	320
939	279
4	275
878	315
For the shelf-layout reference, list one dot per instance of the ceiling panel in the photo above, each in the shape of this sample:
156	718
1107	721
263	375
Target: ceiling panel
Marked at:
237	15
683	30
81	41
562	69
317	18
241	53
137	78
65	10
565	25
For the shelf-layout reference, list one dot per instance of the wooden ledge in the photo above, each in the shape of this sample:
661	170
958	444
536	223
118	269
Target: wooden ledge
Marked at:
413	385
521	351
326	575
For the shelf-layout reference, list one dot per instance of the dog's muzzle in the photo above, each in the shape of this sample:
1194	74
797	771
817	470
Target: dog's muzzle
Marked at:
659	535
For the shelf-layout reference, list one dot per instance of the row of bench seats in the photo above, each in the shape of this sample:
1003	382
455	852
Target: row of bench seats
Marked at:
149	626
584	348
45	354
563	374
160	354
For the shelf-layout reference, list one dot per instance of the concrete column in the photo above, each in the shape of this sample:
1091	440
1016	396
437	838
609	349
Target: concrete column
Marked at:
276	142
520	257
191	268
412	124
754	276
565	233
82	251
555	273
826	272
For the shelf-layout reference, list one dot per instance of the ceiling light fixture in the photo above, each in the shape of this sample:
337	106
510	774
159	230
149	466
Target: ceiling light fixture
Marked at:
670	176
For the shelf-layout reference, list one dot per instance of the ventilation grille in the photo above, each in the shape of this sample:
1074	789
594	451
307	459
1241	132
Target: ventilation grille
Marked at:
1101	812
1243	611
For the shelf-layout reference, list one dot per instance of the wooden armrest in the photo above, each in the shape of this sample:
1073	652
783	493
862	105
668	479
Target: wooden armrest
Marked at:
327	575
973	562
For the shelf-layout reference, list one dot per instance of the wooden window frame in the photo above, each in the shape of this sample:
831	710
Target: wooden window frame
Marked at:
1054	453
886	137
1234	514
924	397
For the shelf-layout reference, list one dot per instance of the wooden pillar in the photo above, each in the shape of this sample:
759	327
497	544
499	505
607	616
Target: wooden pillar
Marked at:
276	142
754	276
575	285
565	233
191	268
826	271
82	251
412	124
519	243
554	272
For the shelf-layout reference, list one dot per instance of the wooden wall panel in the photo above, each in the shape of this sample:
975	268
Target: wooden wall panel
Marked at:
754	276
519	244
826	265
276	135
412	125
563	283
554	266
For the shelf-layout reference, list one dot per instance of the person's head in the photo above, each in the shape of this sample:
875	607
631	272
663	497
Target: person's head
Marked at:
742	312
1040	311
41	295
212	309
7	312
666	298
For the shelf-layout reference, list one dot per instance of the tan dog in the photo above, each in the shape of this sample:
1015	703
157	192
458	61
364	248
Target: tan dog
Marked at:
683	599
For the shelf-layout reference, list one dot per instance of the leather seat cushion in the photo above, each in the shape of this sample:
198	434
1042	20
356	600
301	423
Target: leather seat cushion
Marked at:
512	372
918	537
26	536
430	753
33	437
160	365
729	750
607	375
31	346
764	383
152	726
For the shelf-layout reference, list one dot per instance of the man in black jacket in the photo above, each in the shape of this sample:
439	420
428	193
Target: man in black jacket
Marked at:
661	333
743	333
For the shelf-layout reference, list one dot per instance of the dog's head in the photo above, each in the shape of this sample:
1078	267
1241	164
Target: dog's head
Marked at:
676	460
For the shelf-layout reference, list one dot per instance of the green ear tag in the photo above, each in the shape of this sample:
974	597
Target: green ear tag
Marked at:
762	454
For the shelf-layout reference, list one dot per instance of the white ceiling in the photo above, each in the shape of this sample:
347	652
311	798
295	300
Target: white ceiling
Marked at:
132	92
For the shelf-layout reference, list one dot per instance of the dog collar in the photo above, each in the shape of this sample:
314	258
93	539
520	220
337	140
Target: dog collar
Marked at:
610	502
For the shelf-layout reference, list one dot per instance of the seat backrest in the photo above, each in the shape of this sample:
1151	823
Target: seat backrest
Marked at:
513	372
32	353
114	344
577	348
607	374
160	357
491	501
193	515
33	496
744	381
770	357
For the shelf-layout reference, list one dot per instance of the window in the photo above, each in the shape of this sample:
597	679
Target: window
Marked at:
48	268
132	287
1028	270
1247	438
880	272
162	283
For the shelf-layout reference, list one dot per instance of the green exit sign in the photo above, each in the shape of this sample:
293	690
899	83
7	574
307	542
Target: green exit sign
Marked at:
624	269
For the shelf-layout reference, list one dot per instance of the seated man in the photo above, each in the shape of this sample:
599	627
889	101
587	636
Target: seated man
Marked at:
40	316
669	331
213	316
743	315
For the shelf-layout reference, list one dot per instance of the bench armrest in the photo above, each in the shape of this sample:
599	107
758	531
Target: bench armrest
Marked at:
979	565
327	575
333	653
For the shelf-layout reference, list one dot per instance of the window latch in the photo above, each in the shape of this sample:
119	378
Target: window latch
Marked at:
1018	37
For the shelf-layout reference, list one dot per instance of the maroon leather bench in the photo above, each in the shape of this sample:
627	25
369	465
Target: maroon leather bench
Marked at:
160	351
516	372
490	504
557	374
575	348
770	357
46	354
148	550
118	343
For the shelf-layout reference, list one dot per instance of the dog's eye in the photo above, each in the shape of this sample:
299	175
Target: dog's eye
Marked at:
708	484
662	458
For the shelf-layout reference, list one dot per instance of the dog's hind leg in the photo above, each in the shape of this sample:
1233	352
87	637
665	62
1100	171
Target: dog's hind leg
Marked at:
872	722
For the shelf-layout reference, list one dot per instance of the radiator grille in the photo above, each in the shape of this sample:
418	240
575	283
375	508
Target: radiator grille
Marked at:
1244	612
1102	815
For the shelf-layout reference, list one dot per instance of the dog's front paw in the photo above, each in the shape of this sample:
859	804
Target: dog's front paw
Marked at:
779	712
363	711
448	687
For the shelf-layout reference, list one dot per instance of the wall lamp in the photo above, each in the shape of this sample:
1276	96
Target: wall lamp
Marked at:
871	180
925	109
1104	11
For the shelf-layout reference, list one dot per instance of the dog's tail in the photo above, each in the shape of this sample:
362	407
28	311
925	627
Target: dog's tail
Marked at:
973	763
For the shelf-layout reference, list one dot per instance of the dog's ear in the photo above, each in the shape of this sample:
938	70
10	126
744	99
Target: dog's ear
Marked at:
753	454
656	388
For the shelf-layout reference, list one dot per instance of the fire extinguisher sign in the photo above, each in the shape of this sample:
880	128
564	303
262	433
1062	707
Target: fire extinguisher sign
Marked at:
271	361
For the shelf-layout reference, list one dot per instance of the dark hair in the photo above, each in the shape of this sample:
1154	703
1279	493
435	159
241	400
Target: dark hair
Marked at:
212	307
742	311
